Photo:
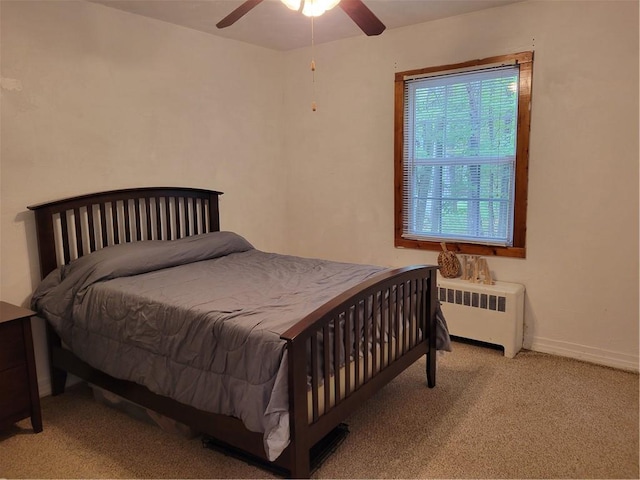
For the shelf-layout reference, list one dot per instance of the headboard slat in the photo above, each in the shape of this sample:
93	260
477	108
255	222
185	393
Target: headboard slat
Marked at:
147	210
103	225
65	237
114	222
167	210
77	220
65	219
92	230
158	220
186	217
177	218
197	215
138	223
127	221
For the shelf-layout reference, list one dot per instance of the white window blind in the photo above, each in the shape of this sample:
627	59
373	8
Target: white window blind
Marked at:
459	156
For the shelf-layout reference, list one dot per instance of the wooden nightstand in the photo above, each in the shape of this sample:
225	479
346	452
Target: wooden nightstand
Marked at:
19	396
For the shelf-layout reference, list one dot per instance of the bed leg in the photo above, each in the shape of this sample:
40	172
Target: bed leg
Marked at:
431	368
58	376
301	464
301	473
58	381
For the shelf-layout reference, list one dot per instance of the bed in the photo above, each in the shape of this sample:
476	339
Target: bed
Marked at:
331	345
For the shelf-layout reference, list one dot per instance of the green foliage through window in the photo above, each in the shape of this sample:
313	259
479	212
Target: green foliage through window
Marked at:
459	156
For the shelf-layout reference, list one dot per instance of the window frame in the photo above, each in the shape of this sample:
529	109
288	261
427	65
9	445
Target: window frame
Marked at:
524	60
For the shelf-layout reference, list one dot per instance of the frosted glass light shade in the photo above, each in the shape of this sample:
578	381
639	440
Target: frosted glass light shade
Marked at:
292	4
311	8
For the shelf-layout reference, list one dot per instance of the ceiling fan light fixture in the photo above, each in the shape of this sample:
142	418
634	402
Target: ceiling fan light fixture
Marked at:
355	9
292	4
311	8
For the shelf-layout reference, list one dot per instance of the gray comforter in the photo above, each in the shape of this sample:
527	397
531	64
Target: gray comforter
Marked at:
197	319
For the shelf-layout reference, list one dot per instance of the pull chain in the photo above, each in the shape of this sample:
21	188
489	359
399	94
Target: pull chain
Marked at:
314	106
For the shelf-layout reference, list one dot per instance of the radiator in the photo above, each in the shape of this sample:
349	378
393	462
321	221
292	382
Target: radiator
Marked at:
487	313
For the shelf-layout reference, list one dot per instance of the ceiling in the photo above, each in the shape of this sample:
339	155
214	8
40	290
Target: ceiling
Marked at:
272	25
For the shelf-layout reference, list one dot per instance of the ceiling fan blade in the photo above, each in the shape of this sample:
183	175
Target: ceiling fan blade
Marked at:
362	16
238	13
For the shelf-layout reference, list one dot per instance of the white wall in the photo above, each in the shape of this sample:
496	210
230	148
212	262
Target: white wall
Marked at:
97	99
581	270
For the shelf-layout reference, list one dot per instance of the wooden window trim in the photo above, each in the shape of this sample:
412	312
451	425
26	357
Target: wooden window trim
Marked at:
518	250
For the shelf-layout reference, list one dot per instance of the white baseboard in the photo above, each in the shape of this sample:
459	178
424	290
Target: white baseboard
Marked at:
44	384
599	356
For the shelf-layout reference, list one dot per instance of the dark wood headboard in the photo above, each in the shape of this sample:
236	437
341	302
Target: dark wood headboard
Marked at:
72	227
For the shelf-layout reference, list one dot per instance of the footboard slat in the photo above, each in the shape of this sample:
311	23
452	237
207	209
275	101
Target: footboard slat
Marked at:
315	381
337	351
421	288
410	309
329	359
373	311
347	356
406	292
396	303
385	341
366	342
356	374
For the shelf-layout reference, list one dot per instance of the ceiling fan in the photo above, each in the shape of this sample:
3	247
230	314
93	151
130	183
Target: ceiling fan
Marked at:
358	11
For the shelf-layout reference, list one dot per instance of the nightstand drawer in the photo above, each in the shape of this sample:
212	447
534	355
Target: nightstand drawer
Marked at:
12	349
14	391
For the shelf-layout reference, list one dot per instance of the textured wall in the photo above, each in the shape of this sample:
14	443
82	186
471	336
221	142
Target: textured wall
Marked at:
581	270
96	99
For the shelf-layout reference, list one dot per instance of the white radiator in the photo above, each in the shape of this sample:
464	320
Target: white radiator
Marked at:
487	313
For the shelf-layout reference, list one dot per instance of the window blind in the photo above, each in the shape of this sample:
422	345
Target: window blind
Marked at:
459	156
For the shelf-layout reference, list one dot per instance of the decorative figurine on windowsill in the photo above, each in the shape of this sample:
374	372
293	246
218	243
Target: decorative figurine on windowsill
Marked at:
448	263
476	270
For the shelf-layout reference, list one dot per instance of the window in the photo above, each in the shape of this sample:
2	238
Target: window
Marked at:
461	156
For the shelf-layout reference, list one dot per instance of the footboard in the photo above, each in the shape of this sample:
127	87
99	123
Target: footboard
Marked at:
345	351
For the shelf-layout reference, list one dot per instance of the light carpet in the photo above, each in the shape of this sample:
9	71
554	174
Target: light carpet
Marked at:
534	416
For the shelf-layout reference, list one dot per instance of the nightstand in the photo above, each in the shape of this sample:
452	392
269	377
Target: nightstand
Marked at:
19	396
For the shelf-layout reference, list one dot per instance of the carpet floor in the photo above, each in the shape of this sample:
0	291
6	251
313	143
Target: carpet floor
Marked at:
534	416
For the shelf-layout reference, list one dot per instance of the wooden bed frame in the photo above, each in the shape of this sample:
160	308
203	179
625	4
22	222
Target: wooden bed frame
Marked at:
70	228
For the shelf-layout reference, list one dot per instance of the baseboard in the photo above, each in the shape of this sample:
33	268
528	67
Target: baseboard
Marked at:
599	356
44	384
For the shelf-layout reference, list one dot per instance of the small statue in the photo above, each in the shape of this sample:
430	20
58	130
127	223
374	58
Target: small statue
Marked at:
448	263
476	269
